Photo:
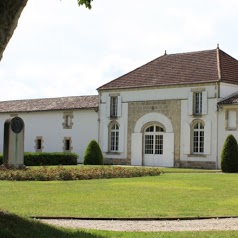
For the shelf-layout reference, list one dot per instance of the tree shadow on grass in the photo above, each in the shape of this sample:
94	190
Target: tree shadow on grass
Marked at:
13	226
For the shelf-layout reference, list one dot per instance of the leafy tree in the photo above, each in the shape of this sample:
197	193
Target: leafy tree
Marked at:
86	3
93	154
229	155
10	12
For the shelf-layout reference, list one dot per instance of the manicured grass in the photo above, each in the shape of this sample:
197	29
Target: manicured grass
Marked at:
12	226
195	234
167	195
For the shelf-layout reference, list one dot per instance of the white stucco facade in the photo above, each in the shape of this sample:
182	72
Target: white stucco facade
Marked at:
48	126
177	140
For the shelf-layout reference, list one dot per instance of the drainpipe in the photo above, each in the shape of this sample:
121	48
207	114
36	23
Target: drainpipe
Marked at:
217	96
99	120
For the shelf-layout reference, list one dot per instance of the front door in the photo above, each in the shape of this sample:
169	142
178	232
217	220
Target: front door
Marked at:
153	146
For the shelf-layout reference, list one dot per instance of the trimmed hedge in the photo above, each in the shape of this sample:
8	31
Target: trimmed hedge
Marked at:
229	155
47	158
93	154
75	173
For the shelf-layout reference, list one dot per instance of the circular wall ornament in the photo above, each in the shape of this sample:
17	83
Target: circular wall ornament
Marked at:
17	124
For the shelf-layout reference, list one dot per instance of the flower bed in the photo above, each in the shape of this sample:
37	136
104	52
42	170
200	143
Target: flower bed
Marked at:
77	173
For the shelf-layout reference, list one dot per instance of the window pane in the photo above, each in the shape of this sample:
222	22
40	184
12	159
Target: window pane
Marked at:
198	103
149	142
38	144
198	138
159	129
150	129
159	144
114	143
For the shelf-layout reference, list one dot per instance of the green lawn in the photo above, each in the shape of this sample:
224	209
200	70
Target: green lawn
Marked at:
167	195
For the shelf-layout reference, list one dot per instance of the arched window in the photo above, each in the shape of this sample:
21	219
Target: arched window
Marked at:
198	138
114	137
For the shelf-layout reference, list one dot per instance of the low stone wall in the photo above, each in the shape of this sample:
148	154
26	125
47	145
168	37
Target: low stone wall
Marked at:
117	161
197	165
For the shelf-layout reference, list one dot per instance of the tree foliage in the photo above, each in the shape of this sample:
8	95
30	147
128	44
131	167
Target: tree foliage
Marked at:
93	154
87	3
10	12
229	155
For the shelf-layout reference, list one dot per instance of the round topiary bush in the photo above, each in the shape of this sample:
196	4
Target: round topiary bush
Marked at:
93	154
229	155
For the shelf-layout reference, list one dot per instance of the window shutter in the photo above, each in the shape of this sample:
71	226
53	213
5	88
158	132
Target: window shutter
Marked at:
186	139
169	149
207	137
190	103
136	149
204	102
108	106
105	138
121	138
119	106
231	122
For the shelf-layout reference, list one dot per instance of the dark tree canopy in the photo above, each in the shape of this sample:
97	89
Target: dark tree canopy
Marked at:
10	12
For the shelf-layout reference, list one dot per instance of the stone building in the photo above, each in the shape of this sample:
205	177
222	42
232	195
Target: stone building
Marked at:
174	111
169	112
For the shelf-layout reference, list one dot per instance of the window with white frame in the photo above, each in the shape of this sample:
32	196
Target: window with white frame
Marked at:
154	140
198	103
114	106
198	138
114	137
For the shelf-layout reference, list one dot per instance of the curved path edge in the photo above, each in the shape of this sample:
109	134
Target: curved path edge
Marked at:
155	225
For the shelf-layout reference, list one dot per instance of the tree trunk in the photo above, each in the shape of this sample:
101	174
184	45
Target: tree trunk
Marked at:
10	12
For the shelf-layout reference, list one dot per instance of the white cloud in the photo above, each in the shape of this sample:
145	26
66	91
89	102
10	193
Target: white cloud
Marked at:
63	50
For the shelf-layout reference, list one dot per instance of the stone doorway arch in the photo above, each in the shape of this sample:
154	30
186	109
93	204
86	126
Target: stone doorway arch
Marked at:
140	137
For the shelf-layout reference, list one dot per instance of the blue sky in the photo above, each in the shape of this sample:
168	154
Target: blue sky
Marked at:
59	49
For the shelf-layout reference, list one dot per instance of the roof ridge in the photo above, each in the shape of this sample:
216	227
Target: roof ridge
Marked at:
191	52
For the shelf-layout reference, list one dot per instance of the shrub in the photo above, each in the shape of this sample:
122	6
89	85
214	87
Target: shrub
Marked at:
46	158
93	154
229	155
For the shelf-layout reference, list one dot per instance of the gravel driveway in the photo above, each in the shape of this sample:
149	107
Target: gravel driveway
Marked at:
178	225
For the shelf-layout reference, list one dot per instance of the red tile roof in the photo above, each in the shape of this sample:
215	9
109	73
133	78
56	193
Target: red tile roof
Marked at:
49	104
184	68
231	100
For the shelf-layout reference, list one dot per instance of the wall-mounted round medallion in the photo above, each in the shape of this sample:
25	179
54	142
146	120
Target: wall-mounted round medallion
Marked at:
17	124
